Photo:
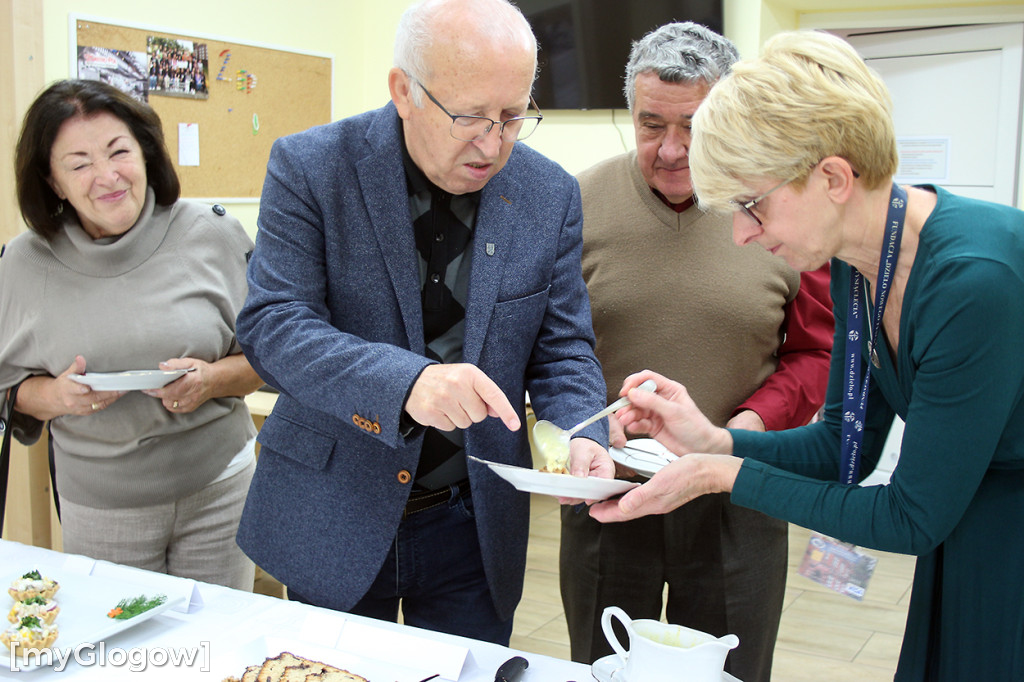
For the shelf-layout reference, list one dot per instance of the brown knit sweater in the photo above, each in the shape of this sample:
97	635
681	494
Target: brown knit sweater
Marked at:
672	292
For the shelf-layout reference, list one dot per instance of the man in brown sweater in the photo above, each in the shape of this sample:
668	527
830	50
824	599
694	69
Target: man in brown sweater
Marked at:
748	336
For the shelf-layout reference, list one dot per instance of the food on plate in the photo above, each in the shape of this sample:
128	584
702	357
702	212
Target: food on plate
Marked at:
287	667
29	633
32	584
42	608
129	608
554	446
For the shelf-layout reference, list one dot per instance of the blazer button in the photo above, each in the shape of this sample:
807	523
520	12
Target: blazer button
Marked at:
404	477
365	424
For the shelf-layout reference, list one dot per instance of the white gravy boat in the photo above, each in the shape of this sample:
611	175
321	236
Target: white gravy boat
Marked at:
660	652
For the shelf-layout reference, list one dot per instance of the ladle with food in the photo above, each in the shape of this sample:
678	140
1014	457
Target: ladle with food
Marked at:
553	441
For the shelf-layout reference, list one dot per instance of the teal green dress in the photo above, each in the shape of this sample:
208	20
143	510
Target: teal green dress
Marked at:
956	498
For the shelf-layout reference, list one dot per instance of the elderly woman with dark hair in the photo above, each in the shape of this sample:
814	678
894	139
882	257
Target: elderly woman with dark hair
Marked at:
118	272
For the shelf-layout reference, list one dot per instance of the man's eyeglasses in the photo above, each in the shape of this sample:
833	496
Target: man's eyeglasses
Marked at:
748	206
473	128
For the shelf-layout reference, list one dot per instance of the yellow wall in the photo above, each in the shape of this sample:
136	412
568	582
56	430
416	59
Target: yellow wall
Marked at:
359	34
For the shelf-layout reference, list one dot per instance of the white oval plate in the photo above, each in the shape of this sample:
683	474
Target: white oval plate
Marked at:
134	380
559	485
645	456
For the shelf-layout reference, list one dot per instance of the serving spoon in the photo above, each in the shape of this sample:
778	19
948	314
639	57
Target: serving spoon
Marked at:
553	441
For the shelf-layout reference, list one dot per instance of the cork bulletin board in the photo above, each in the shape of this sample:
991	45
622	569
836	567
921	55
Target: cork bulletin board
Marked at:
254	96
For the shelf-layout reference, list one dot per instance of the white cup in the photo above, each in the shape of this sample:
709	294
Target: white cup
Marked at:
659	652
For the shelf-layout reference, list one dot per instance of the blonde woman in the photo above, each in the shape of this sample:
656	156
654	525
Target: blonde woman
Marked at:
799	146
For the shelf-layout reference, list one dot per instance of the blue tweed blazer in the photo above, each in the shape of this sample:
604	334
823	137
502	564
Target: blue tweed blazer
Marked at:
333	320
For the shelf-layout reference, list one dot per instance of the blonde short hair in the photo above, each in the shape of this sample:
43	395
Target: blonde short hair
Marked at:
808	96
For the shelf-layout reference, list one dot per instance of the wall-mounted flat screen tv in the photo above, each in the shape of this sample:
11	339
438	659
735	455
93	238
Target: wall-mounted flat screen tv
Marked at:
584	44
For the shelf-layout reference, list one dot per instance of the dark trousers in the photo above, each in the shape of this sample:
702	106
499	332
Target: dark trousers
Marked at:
435	574
725	567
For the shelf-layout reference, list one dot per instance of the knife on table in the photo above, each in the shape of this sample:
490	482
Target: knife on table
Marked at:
511	670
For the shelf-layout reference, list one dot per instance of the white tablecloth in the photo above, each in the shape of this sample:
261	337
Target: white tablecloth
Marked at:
224	630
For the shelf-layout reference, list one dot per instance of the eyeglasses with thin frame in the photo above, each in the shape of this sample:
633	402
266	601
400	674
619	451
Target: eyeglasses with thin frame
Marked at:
747	206
473	128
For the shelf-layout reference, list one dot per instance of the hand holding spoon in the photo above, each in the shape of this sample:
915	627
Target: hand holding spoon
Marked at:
553	442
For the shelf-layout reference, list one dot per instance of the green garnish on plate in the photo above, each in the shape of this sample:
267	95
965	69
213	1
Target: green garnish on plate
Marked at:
32	575
129	608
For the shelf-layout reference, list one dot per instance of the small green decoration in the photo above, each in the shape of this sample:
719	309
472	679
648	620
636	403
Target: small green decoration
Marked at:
129	608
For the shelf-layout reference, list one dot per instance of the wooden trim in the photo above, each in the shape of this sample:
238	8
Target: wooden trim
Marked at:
29	518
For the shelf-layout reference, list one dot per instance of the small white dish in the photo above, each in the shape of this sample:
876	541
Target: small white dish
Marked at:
559	485
132	380
610	669
645	456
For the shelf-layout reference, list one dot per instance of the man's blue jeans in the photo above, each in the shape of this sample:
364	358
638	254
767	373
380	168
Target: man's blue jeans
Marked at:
435	571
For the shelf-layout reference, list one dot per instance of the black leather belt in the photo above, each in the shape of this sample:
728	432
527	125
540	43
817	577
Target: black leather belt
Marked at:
429	499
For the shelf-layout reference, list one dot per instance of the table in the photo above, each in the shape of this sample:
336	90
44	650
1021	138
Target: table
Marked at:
224	630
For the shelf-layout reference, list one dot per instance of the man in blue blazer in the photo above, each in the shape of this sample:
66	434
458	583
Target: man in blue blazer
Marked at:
416	271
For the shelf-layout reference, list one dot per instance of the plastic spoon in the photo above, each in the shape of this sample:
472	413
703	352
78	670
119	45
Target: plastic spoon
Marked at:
553	441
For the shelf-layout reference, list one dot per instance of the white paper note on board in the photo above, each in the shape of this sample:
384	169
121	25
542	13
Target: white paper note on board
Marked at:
188	144
923	159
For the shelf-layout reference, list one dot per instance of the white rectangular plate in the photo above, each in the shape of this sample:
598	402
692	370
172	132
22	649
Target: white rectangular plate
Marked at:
84	602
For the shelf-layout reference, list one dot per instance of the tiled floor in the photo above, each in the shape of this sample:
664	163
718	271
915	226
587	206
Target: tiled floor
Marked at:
823	636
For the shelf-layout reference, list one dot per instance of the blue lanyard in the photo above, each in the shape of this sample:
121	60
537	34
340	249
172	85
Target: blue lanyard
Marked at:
855	393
